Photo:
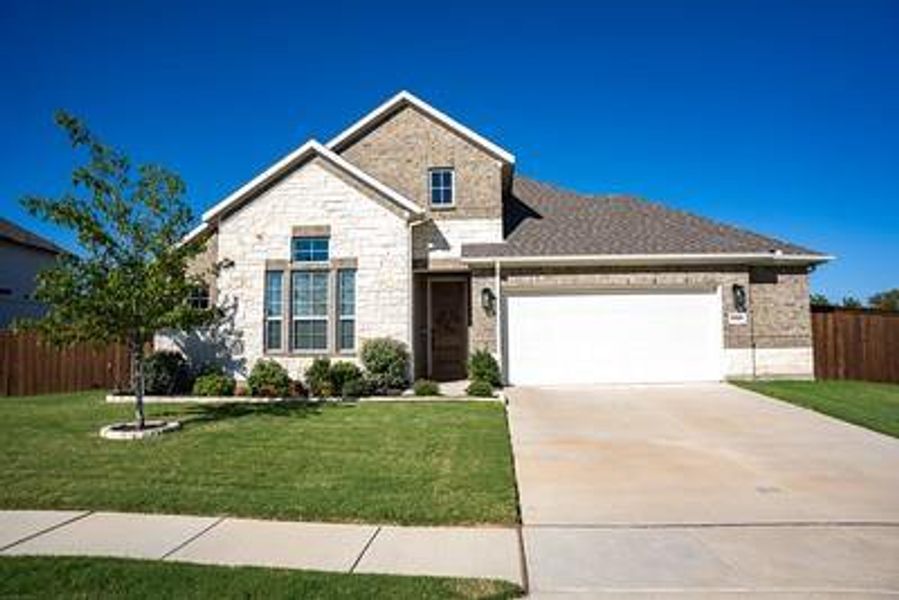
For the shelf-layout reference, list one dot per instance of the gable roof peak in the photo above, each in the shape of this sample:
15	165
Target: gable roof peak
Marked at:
298	156
406	98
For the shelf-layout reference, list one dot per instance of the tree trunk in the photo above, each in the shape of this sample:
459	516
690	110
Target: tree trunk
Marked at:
137	382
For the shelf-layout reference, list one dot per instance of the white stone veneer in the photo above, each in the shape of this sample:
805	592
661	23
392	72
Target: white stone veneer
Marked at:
770	362
361	228
446	236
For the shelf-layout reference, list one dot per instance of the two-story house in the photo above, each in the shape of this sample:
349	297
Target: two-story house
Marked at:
410	225
23	254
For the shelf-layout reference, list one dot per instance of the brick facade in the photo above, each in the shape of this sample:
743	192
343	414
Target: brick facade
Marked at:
400	151
777	319
204	265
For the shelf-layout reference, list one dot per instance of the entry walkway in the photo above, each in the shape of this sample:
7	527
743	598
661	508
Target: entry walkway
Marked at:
477	552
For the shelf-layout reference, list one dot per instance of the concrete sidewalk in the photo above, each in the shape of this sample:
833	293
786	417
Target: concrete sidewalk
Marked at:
483	552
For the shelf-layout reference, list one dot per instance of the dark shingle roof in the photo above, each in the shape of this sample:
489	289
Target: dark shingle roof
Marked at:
543	220
12	232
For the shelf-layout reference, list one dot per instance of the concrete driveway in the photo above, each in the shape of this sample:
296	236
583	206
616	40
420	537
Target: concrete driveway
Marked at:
701	489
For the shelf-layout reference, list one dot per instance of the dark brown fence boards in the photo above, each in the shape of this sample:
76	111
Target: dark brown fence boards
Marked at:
29	366
856	344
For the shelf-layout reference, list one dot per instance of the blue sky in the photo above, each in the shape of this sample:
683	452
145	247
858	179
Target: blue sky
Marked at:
780	117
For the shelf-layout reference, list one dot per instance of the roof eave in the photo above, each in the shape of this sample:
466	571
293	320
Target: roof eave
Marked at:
755	259
406	98
299	155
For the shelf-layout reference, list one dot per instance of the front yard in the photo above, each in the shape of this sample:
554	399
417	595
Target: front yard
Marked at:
33	577
871	405
406	463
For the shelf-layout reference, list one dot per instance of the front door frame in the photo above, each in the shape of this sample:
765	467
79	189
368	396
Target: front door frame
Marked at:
449	278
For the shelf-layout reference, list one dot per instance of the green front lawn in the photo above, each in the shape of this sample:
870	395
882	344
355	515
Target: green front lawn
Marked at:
871	405
32	577
406	463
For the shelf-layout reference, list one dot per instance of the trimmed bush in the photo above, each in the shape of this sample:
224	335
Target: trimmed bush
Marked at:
166	372
386	363
269	379
482	367
318	378
214	384
341	373
479	389
355	388
426	387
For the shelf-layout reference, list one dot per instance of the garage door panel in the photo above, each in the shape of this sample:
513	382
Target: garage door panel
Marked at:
614	338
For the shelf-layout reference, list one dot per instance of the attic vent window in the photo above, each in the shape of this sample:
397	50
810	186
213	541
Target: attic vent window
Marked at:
441	186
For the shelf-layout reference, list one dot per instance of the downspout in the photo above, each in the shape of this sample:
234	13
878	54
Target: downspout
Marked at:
497	284
752	349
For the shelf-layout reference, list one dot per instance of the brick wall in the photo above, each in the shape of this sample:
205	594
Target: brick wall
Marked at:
400	151
778	313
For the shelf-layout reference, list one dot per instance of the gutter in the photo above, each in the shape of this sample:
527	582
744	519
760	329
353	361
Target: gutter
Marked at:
756	258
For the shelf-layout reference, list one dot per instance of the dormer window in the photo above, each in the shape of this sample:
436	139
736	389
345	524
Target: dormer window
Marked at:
441	183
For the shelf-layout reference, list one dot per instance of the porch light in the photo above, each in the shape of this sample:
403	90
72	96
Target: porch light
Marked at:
488	300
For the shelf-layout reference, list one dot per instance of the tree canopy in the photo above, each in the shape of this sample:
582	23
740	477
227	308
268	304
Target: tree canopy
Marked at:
886	300
131	280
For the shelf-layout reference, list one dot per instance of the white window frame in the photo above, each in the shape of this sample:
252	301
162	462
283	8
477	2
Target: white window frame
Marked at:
341	317
452	187
310	238
279	318
294	317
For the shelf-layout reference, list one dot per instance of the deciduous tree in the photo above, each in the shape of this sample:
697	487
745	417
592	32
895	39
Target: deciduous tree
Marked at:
131	278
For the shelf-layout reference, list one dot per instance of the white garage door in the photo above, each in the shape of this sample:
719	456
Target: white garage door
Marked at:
617	337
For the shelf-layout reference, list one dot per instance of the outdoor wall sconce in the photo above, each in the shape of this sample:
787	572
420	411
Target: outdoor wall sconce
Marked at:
488	300
739	298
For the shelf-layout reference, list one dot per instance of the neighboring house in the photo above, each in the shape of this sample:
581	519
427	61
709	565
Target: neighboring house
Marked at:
412	226
22	255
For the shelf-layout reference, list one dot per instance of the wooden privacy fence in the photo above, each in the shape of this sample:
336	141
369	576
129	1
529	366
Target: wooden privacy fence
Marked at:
856	344
29	366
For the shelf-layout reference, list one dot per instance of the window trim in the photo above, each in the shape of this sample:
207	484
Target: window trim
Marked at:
452	188
330	270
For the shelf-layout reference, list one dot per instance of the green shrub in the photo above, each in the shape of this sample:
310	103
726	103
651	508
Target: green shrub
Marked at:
318	378
214	384
166	372
341	373
482	367
426	387
268	378
386	363
479	389
355	388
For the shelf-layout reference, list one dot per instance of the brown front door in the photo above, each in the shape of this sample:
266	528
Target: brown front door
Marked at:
449	329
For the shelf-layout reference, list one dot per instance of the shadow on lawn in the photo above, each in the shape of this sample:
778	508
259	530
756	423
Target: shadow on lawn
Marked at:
201	414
